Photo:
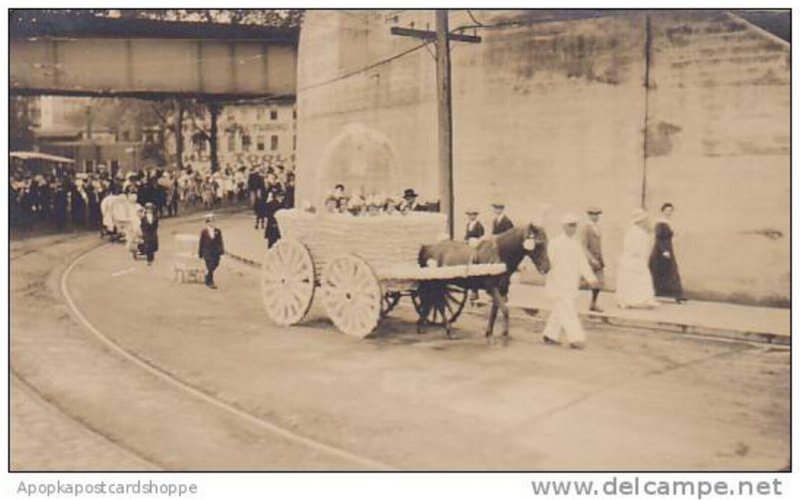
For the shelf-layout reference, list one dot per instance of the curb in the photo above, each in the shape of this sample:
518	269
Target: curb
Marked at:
660	326
631	323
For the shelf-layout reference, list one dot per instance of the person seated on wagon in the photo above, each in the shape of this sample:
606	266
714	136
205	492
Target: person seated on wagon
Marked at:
341	197
374	206
356	205
331	205
390	206
410	203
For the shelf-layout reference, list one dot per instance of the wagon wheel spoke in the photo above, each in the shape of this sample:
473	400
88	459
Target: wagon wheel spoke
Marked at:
287	282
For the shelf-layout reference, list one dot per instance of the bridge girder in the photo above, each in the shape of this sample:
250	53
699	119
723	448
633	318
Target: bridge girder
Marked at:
153	68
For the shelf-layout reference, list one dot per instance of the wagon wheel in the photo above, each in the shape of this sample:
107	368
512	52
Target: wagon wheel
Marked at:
287	282
388	302
351	294
435	301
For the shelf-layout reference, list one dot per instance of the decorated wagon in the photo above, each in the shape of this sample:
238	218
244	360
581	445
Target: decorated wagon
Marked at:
360	267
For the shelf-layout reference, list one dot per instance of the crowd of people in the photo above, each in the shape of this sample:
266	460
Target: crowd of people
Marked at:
63	199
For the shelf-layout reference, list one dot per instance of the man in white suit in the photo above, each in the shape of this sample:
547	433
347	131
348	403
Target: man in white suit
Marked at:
568	264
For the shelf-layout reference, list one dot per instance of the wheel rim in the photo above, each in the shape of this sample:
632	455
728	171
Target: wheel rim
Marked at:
352	295
436	301
287	282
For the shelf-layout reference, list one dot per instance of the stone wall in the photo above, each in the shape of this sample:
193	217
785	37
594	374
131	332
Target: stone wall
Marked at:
549	115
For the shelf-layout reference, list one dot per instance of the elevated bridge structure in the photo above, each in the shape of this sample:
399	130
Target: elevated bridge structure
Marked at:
55	55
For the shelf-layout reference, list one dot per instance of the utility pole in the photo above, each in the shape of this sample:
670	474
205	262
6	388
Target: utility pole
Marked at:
442	38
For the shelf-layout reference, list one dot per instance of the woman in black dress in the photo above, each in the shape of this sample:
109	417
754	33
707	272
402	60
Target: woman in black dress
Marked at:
663	264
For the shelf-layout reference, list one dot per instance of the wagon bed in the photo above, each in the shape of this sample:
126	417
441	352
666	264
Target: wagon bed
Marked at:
362	266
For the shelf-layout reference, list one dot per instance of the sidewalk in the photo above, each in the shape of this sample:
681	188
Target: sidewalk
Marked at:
759	324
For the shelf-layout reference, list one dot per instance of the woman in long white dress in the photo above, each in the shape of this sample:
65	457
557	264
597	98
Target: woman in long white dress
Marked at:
634	283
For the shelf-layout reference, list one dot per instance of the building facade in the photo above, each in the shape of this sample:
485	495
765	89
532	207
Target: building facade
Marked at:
252	133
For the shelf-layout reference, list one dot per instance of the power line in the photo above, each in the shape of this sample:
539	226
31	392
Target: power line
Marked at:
365	68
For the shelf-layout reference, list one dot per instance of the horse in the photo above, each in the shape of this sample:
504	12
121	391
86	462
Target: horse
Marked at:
509	248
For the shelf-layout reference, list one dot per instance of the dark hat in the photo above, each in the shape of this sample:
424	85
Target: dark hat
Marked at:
410	193
593	209
498	204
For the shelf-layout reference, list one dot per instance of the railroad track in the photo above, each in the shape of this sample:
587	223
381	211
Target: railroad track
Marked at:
199	393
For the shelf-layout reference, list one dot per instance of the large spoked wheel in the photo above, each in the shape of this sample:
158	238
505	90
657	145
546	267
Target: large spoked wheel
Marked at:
287	282
436	302
351	294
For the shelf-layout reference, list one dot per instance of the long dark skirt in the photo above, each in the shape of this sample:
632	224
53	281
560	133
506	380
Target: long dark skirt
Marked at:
666	276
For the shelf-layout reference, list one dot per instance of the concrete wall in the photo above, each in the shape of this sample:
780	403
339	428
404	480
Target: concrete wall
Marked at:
549	115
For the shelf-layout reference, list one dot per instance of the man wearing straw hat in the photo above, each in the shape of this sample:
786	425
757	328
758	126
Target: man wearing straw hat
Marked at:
568	266
211	249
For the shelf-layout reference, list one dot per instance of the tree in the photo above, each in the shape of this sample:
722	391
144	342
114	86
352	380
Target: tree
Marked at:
20	121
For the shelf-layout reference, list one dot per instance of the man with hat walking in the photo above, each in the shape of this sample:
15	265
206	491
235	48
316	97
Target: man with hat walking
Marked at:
149	226
475	229
211	249
568	266
591	238
501	222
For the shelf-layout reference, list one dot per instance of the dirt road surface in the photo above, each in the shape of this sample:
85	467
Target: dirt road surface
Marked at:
199	379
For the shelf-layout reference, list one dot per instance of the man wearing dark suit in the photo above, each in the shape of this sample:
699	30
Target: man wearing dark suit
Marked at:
591	238
211	249
475	229
410	203
501	222
149	227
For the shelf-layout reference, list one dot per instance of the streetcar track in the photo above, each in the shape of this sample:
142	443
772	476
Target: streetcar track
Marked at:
31	390
201	394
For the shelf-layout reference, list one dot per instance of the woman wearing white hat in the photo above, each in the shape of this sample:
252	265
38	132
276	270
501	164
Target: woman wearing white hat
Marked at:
568	265
634	284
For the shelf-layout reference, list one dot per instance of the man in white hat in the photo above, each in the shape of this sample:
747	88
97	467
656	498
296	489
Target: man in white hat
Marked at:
568	265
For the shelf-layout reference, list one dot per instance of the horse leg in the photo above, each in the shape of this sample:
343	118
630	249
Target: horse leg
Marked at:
504	309
447	328
492	315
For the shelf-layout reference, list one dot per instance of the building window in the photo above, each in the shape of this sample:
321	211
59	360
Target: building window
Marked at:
259	113
260	143
294	142
294	114
273	142
231	142
273	114
245	142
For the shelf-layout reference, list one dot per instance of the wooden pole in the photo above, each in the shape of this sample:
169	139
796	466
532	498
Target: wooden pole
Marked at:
445	118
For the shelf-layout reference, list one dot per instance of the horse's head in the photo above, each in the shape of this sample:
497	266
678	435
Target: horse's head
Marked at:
534	244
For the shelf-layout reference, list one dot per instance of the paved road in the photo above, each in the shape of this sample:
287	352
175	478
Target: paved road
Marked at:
307	397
